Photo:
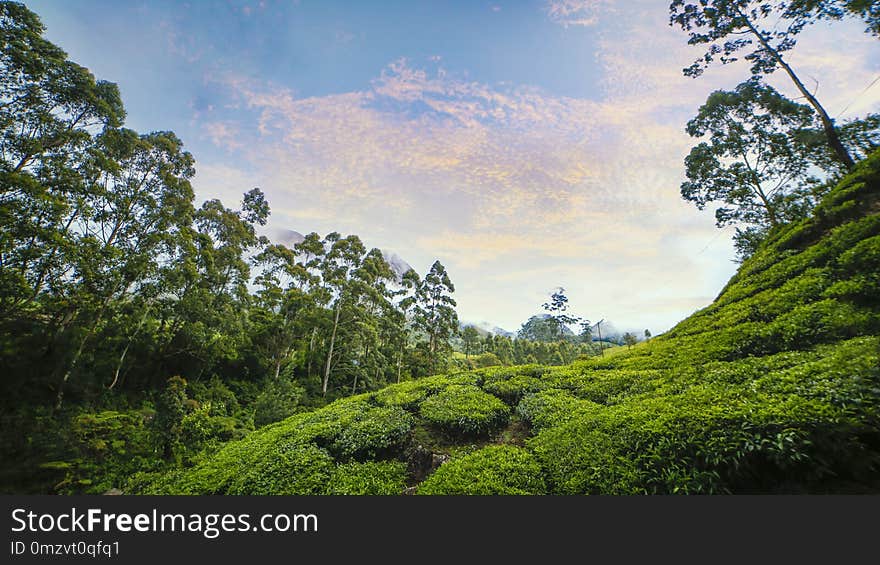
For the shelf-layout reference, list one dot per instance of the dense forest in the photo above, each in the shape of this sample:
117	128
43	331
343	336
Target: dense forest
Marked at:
153	344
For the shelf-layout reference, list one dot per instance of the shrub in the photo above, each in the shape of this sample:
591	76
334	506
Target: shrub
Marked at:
287	469
465	409
324	425
280	399
109	445
551	407
370	478
499	469
378	432
406	395
511	383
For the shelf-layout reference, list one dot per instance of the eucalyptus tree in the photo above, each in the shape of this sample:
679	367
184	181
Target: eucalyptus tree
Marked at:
343	258
280	305
204	308
138	200
433	309
471	338
557	308
50	108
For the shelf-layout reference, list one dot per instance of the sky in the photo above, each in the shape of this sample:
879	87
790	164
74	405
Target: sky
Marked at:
527	145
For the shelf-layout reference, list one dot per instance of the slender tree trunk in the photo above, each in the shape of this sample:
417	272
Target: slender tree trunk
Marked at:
771	211
827	123
399	361
311	348
330	352
599	329
127	346
59	399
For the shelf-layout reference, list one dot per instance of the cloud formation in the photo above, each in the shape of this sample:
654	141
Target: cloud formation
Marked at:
514	188
576	12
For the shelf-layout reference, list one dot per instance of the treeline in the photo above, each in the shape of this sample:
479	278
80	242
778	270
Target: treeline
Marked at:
494	350
112	279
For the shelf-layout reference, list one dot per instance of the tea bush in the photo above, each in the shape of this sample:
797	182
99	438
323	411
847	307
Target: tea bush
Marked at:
286	469
369	478
499	469
377	433
465	409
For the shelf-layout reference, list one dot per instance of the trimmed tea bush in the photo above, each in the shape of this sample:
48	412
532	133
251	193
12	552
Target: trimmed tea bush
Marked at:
287	469
370	478
498	469
551	407
376	433
466	410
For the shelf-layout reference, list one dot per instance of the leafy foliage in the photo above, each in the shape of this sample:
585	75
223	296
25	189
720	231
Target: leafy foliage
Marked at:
500	469
464	409
370	478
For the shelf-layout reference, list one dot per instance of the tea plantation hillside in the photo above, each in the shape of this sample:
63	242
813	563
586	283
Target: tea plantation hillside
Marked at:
773	388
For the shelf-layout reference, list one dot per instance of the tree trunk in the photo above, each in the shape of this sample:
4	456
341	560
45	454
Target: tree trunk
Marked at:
827	123
79	350
127	346
311	348
330	352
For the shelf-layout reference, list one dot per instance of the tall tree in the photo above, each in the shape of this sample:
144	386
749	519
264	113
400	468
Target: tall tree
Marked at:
433	309
49	109
471	338
867	10
556	308
765	30
757	160
138	200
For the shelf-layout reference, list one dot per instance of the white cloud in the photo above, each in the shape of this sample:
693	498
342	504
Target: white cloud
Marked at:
577	12
513	188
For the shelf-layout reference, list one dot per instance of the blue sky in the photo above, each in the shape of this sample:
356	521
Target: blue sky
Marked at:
527	145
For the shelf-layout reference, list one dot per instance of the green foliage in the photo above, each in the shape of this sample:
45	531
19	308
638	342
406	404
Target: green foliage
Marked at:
499	469
464	409
170	411
407	395
775	387
550	408
286	469
278	400
379	432
511	383
109	445
370	478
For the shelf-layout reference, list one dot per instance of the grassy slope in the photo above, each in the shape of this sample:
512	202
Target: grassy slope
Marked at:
772	388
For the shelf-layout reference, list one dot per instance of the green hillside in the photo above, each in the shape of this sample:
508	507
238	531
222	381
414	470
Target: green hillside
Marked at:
772	388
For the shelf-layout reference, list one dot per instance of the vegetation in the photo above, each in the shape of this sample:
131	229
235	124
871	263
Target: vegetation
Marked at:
498	469
157	346
773	389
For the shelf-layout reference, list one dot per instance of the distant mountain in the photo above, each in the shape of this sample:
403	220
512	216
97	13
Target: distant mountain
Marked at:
292	237
484	328
398	265
287	237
